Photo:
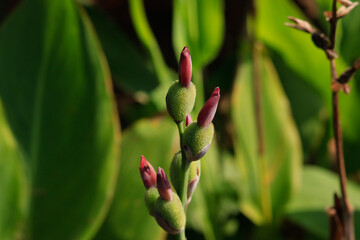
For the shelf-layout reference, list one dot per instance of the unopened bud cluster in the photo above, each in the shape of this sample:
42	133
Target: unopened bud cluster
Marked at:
161	195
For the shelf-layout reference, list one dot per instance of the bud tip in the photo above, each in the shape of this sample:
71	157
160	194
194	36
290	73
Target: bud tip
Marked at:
147	173
188	120
207	113
163	185
185	67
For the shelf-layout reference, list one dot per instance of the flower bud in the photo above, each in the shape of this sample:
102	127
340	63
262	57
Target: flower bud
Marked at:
188	120
185	68
170	215
197	140
151	195
207	113
163	185
148	173
301	25
180	100
175	171
194	177
320	40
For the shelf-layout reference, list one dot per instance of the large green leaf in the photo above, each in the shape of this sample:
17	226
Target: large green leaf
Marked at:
56	94
200	26
281	168
302	68
13	193
308	209
129	218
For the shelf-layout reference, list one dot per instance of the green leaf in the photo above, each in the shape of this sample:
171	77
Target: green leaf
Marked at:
128	217
302	68
14	190
200	25
266	184
308	208
56	93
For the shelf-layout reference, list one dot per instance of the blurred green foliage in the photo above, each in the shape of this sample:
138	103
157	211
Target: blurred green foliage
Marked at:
68	69
59	129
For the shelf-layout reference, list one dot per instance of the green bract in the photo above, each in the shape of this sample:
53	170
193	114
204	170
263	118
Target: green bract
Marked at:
170	215
197	140
194	170
194	177
180	100
151	195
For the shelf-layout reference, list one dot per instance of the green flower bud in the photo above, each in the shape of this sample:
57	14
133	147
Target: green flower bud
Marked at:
175	171
197	140
170	215
151	195
180	100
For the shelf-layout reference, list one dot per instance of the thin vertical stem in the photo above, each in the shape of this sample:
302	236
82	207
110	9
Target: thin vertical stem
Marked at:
180	236
182	191
346	208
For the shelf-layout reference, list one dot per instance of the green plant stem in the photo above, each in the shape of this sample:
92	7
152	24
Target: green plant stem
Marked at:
182	192
184	177
180	236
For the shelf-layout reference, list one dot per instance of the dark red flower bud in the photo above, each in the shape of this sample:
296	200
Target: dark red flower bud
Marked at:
185	67
163	185
148	173
207	113
188	120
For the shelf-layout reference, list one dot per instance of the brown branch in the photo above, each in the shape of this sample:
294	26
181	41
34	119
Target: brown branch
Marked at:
345	212
333	26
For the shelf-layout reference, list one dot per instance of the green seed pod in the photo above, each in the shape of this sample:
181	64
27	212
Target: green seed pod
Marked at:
170	215
175	171
197	140
180	100
151	195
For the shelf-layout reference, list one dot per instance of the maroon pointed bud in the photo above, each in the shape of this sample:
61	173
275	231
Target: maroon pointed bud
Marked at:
148	173
207	113
185	67
163	185
188	120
